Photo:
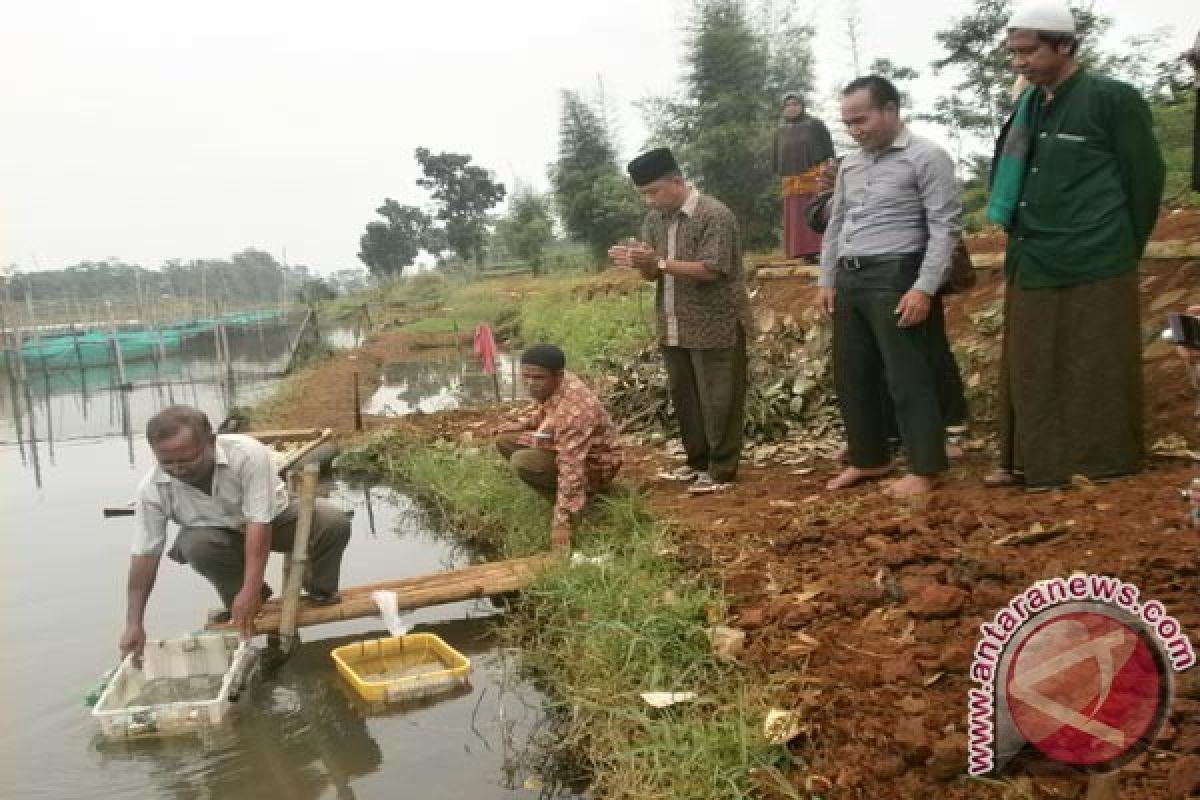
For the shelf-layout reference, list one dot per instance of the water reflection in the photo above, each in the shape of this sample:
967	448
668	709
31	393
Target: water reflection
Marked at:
430	385
43	408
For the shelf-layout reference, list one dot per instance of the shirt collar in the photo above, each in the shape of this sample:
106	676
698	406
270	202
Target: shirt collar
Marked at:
689	205
903	139
555	398
1065	87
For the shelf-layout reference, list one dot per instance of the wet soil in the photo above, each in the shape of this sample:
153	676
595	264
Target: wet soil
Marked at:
863	612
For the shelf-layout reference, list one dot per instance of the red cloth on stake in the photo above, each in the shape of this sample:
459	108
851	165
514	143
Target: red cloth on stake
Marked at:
485	347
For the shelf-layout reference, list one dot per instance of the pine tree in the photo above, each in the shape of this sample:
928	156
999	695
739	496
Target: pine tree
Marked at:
595	201
722	124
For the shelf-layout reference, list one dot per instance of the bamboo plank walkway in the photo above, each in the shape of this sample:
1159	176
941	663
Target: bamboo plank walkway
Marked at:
481	580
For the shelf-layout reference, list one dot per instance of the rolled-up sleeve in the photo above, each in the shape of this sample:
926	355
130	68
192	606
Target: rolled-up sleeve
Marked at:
571	442
258	485
150	520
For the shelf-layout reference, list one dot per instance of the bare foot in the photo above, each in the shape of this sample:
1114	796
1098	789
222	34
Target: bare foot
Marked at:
953	450
910	486
852	476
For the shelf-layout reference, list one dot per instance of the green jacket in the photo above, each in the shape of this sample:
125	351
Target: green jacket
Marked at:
1092	186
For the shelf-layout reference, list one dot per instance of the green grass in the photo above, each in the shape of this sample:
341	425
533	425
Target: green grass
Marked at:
597	635
460	306
587	329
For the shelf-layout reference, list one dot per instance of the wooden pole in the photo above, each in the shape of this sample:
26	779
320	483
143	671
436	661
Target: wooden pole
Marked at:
23	376
116	345
49	409
297	342
358	423
481	580
14	398
299	563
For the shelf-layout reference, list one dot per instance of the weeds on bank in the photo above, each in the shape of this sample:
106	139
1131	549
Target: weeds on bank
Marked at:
588	330
597	635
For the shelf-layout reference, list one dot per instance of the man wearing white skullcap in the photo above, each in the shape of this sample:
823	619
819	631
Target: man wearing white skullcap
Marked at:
1077	181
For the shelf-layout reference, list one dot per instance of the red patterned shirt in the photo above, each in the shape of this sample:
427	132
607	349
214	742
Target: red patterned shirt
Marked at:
584	439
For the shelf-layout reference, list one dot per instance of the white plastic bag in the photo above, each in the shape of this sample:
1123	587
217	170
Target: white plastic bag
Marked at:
388	603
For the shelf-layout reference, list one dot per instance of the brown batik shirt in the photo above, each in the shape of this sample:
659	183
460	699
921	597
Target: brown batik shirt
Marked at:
584	439
699	314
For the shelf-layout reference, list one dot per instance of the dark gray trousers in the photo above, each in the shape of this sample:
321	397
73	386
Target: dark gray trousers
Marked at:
538	468
708	390
874	358
219	554
951	393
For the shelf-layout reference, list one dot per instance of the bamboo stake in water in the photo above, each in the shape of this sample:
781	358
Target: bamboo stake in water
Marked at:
23	377
299	561
358	423
15	400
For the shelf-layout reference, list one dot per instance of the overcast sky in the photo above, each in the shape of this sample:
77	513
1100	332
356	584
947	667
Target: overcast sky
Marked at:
147	130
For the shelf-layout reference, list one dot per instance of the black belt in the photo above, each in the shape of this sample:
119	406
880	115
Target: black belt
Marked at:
855	263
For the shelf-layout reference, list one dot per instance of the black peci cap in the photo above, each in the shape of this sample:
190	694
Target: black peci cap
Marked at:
652	165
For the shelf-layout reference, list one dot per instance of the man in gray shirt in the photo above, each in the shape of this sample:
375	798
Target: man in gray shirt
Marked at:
232	510
894	222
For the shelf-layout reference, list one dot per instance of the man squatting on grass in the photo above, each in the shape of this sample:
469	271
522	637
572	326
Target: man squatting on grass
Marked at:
692	251
232	510
893	226
567	445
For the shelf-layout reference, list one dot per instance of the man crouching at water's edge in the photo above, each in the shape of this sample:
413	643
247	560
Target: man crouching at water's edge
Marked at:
566	447
232	510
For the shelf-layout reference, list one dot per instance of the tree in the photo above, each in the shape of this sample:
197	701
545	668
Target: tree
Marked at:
721	127
527	228
388	247
464	194
974	48
595	200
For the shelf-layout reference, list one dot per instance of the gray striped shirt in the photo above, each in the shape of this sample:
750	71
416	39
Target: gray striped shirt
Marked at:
902	200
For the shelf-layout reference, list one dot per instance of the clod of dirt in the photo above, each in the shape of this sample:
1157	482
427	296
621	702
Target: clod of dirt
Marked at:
912	740
1184	778
1057	786
949	758
901	669
938	601
955	659
752	618
887	766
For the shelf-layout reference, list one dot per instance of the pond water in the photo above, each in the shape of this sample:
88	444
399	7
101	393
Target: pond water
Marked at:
301	733
441	383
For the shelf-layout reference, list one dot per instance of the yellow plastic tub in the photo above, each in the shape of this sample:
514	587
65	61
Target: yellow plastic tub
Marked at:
401	667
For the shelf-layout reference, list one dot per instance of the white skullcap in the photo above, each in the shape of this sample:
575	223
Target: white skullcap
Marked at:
1050	16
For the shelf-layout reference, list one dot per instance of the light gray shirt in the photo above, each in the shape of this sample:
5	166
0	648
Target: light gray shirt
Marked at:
245	488
687	210
901	200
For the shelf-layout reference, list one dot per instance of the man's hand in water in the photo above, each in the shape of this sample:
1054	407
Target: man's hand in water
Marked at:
133	640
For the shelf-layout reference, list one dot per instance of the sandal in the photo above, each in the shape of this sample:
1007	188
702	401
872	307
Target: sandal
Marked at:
705	484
